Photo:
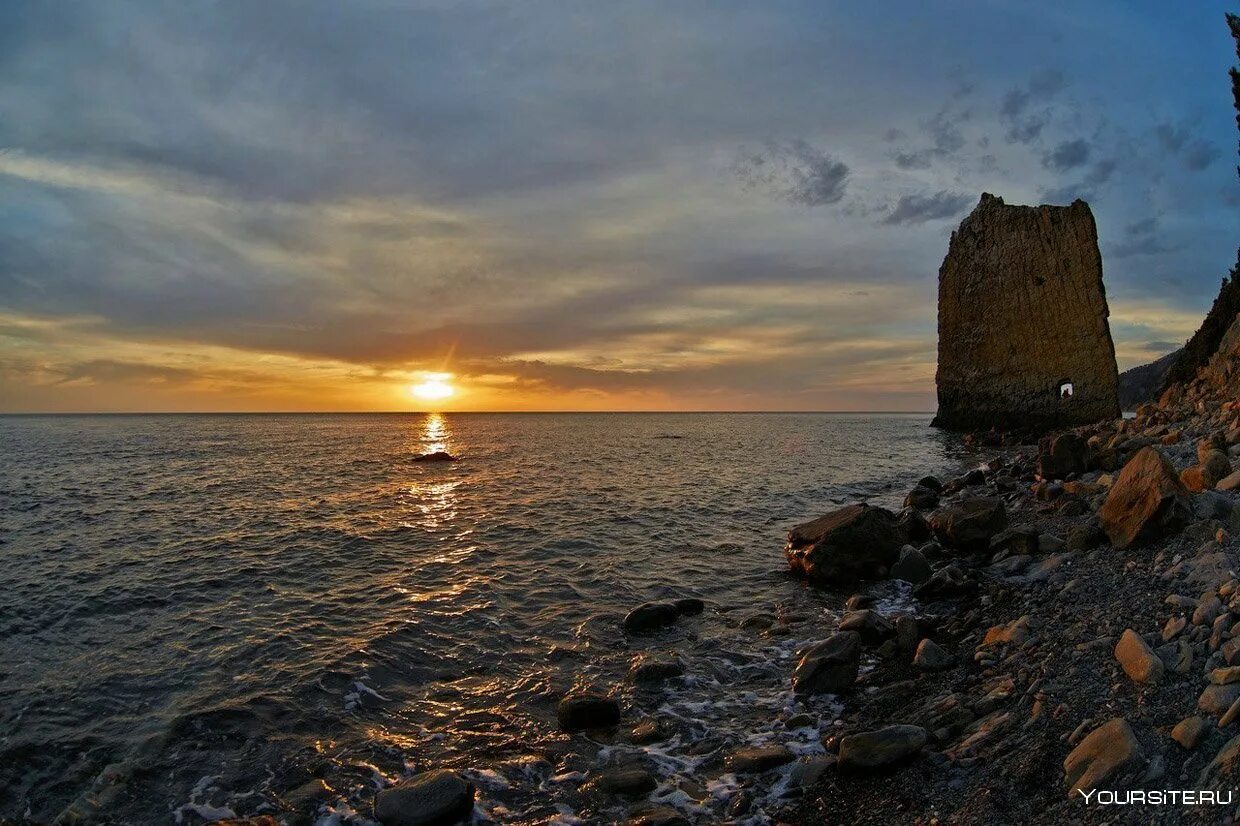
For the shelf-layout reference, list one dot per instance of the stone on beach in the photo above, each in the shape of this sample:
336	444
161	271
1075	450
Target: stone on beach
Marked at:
930	656
912	566
881	747
870	625
1063	455
428	799
830	666
1146	502
969	525
1139	662
1189	731
1107	754
852	543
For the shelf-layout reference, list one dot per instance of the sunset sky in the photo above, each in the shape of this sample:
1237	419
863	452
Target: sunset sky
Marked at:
574	206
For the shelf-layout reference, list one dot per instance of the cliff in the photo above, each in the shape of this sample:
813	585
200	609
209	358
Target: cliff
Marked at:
1022	319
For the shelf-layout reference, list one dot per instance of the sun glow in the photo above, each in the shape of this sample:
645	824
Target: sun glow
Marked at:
434	388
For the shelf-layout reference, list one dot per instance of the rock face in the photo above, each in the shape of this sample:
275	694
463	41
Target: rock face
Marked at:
1022	314
854	542
1146	502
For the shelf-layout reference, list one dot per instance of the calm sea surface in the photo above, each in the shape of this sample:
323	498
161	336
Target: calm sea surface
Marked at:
201	614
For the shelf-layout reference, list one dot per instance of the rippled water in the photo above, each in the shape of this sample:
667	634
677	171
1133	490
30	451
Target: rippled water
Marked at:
202	613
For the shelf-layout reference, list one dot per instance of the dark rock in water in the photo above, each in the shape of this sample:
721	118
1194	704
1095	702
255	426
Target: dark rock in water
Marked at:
630	782
922	498
650	669
757	759
882	747
428	799
1107	754
1146	502
657	816
1062	455
579	712
852	543
689	606
647	731
969	525
930	482
829	666
649	616
436	456
912	566
871	626
1023	335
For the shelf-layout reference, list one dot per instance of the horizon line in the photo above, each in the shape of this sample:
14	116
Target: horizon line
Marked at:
441	412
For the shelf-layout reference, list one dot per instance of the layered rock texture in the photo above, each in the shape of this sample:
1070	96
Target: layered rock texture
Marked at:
1022	319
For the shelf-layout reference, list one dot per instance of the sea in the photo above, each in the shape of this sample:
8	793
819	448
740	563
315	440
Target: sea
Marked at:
207	616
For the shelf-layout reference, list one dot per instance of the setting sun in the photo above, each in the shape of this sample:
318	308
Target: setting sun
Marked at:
435	387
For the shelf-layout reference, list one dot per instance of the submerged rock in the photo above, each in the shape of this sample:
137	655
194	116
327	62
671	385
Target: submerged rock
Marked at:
757	759
582	711
626	782
649	616
428	799
436	456
855	542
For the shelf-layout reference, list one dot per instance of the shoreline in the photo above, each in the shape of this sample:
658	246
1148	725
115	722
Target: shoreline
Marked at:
1036	655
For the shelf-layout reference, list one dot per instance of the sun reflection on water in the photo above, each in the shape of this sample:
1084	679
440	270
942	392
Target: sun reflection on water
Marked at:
436	434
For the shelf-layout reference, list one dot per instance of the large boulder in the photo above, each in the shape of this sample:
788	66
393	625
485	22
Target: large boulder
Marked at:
969	525
1108	754
1062	455
855	542
1147	501
433	798
830	666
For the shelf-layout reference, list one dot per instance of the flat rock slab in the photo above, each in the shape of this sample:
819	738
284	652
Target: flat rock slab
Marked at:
757	759
881	747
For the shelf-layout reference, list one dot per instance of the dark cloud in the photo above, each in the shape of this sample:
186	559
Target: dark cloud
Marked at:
1025	123
1067	155
918	209
1179	140
1142	237
795	172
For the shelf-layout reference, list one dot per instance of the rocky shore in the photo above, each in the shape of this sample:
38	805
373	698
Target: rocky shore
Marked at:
1077	630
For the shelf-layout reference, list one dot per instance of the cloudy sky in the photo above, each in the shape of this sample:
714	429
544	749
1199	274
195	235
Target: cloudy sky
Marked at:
568	205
